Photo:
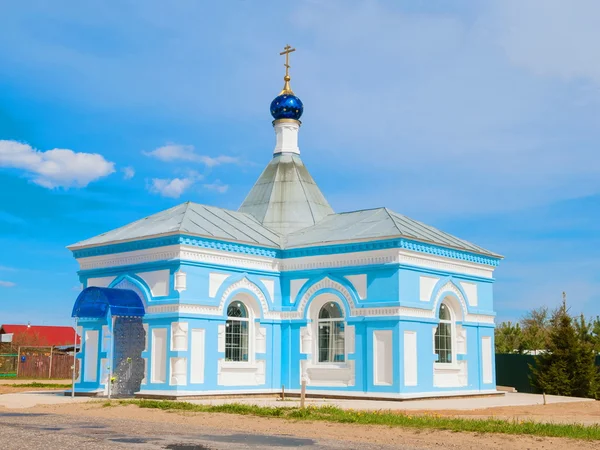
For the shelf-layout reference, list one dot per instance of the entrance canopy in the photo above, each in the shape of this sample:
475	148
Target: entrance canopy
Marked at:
97	302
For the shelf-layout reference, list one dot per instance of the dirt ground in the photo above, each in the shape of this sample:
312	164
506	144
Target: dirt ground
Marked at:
382	435
587	413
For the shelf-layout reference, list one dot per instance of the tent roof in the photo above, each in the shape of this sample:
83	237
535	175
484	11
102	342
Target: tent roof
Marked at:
285	198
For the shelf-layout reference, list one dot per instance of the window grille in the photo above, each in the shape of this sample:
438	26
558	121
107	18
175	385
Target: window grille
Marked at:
331	330
443	336
236	333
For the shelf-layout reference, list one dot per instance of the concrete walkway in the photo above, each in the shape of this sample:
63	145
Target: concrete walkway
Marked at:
510	399
30	399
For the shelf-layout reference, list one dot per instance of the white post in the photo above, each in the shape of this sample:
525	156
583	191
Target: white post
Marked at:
111	358
303	393
74	360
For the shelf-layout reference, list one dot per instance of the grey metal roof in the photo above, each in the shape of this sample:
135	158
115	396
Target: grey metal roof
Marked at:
194	219
286	198
218	223
374	224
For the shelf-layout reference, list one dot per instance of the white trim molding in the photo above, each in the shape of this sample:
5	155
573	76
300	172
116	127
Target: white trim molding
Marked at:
451	288
398	311
325	283
244	283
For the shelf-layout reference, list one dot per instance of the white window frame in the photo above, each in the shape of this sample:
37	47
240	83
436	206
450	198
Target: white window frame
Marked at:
316	321
250	327
454	363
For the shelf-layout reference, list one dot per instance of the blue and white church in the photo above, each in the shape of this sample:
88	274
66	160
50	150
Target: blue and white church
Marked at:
200	300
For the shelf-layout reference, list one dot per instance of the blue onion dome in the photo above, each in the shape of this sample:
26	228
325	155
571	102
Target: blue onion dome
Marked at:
286	105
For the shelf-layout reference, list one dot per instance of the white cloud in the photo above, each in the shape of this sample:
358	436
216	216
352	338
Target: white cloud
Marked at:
128	172
176	152
175	187
217	161
173	152
172	188
57	167
217	186
7	284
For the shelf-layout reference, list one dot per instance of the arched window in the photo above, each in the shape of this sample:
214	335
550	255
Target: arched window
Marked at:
443	335
331	334
236	332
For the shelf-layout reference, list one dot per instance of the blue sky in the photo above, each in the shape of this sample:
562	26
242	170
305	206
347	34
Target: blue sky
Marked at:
481	118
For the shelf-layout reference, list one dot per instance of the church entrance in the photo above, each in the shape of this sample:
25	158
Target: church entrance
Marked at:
128	369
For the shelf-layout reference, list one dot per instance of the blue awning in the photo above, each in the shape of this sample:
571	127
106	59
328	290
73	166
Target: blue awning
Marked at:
97	302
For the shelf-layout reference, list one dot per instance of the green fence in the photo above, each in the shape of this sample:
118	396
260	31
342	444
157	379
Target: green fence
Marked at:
513	370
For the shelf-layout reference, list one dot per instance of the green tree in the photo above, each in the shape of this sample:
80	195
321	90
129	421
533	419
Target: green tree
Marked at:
587	376
596	334
568	366
508	338
535	329
584	330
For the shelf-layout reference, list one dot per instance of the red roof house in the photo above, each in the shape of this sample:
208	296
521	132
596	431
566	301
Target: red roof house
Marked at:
40	335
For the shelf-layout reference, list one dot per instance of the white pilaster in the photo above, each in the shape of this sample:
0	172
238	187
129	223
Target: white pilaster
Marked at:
286	131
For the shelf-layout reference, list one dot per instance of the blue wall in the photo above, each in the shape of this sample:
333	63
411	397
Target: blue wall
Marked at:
388	285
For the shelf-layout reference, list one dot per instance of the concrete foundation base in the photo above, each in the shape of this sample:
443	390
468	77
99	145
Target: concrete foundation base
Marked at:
295	393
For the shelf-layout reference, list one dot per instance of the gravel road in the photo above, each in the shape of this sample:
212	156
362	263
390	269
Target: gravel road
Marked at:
53	431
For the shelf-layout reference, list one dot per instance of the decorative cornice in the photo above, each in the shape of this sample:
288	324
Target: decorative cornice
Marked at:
339	260
128	258
230	247
175	240
400	243
265	264
216	257
444	265
287	254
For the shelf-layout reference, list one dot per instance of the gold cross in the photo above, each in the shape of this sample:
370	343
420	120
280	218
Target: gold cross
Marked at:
286	51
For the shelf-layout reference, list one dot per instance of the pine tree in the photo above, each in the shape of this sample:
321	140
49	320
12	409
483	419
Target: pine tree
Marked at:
568	366
552	373
596	334
586	380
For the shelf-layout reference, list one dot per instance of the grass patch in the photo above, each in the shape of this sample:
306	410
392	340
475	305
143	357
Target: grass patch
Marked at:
387	418
39	385
229	408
